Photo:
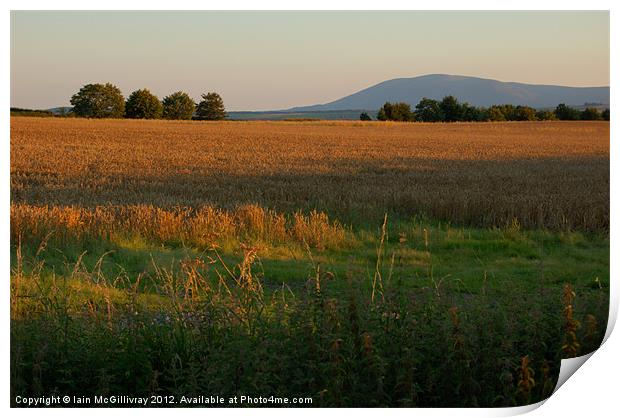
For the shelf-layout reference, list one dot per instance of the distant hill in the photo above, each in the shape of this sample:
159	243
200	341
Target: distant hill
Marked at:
476	91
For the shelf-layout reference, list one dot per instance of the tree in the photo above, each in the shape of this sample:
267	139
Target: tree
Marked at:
141	104
98	101
385	113
381	114
451	109
495	114
211	107
564	112
523	113
482	114
508	111
591	113
365	116
473	113
402	112
545	115
427	110
396	111
605	114
178	106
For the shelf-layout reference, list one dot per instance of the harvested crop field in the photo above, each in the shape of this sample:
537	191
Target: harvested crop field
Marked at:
543	174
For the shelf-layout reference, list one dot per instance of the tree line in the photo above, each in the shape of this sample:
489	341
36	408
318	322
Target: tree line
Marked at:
18	111
449	109
107	101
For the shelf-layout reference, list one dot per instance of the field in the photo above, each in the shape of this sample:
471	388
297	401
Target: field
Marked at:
356	263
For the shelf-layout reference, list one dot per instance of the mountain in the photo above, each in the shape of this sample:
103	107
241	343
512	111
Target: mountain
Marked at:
476	91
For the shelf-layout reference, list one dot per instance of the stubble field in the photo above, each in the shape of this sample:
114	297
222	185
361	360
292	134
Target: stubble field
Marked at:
356	263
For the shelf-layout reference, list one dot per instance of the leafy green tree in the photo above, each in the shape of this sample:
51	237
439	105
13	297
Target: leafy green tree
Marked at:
365	116
142	104
545	115
564	112
605	114
98	101
495	114
400	112
381	115
483	114
451	108
211	107
591	113
508	111
518	113
385	113
178	106
524	113
428	110
473	114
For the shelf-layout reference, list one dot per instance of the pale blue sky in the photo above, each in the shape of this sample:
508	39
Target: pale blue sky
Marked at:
276	60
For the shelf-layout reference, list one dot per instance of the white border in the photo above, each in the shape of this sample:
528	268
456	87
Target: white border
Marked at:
591	392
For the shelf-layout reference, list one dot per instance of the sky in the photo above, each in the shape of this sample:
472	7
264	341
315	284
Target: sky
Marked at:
276	60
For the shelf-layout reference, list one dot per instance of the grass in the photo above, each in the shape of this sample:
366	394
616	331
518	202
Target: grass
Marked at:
393	320
460	254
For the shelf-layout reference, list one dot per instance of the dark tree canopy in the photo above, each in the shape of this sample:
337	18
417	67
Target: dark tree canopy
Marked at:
178	106
427	110
98	101
142	104
396	111
507	112
605	114
473	114
451	108
545	115
211	107
381	115
591	113
524	113
504	112
365	116
564	112
495	114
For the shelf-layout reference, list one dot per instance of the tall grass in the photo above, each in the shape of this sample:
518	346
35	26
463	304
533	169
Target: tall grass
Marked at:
223	333
198	227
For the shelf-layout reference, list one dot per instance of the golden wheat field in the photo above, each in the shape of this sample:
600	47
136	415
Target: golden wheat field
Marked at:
543	174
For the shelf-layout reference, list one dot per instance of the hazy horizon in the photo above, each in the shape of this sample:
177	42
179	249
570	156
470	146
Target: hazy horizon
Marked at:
276	60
